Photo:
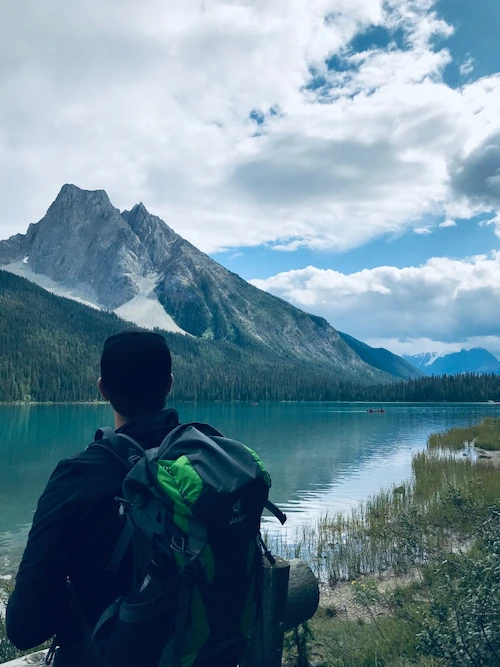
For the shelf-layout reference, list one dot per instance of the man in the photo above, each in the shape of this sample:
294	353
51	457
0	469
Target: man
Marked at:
77	525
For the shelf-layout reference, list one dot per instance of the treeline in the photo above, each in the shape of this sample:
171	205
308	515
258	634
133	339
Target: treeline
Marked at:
50	349
467	387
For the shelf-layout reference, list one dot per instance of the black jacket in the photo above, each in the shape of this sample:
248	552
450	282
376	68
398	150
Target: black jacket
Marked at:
75	529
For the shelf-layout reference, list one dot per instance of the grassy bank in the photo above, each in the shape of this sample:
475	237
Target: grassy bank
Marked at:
485	435
413	575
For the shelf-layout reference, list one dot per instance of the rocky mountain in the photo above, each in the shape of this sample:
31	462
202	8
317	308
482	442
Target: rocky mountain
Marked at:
132	263
383	359
476	360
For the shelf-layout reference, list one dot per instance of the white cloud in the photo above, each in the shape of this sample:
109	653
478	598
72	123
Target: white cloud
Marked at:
422	231
444	300
492	221
447	223
467	67
152	100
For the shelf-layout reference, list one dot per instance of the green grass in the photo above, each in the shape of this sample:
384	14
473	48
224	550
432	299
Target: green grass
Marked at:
486	435
390	642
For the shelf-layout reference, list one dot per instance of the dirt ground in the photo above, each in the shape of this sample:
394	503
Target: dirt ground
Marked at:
490	457
339	600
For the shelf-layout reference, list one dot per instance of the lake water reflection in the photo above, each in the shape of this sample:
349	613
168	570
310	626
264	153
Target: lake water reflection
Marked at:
322	456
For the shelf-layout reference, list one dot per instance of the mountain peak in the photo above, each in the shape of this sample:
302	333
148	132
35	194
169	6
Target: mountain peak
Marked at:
69	188
150	229
137	215
81	233
72	198
69	192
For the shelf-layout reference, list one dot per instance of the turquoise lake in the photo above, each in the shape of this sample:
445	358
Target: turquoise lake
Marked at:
322	456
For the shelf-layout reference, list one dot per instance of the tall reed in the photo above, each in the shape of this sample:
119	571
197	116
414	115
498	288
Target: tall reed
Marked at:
400	527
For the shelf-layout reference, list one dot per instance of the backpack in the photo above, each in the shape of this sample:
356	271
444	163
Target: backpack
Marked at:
192	509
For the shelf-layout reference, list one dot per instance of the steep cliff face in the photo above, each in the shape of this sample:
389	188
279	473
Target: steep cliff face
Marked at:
134	264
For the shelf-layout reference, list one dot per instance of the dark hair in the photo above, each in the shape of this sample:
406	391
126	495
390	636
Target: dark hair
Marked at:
136	367
135	407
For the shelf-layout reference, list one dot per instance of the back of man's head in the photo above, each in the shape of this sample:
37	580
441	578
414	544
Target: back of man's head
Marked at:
136	367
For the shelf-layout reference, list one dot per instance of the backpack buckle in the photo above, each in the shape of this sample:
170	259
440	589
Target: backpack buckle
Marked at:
123	506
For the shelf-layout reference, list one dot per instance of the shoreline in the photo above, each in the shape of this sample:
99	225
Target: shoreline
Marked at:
257	403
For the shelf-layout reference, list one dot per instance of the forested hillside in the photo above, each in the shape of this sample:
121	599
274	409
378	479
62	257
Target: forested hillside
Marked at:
50	349
468	387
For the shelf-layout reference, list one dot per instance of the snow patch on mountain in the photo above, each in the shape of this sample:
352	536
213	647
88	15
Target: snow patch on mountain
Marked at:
145	310
80	294
428	358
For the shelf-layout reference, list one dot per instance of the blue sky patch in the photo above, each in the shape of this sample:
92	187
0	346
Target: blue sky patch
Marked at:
476	36
340	63
378	37
257	116
410	249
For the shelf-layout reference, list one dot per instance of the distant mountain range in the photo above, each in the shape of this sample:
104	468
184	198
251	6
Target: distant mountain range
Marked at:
476	360
133	264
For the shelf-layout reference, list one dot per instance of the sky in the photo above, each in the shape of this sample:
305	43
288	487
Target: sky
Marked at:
341	154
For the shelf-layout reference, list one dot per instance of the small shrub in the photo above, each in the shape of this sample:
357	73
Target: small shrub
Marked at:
462	624
7	650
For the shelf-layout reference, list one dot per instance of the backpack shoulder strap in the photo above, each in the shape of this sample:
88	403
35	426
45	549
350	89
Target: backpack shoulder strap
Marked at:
281	516
121	546
113	442
115	439
104	433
